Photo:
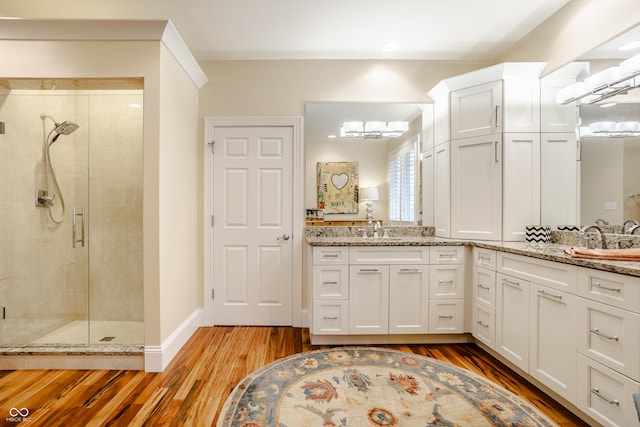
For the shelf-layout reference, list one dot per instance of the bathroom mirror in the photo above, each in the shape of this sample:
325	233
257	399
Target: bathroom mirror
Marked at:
609	179
324	144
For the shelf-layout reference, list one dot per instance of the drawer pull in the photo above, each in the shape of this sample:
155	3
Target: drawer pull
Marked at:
598	333
409	270
448	256
329	283
330	318
445	317
481	286
445	282
510	283
547	294
330	256
484	325
596	391
605	288
484	258
368	270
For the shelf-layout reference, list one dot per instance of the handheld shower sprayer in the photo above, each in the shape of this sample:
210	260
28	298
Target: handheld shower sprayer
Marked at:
43	199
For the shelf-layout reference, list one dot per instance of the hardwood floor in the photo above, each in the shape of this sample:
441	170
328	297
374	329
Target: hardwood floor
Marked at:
194	387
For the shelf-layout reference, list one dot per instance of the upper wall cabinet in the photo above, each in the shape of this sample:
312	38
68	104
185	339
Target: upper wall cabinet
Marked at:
477	110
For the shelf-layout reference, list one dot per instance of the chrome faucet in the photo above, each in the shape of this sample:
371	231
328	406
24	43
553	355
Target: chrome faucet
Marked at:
634	228
586	228
629	221
601	222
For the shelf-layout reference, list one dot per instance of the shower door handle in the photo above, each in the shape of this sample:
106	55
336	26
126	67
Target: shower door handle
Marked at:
74	228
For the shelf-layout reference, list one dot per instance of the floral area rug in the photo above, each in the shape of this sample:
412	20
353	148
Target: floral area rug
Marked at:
363	386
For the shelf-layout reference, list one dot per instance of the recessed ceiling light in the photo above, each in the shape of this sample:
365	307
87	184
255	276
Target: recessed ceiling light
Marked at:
610	104
390	46
630	45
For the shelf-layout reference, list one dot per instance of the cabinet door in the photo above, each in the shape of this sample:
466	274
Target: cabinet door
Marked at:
408	299
483	325
556	117
442	190
428	187
446	281
553	322
476	188
484	287
559	179
446	316
476	110
330	282
522	105
521	184
606	395
368	299
512	320
611	336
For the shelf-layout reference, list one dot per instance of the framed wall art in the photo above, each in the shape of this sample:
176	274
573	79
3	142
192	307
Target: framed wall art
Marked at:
338	187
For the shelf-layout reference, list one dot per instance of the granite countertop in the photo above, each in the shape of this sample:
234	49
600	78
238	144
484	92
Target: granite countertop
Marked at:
550	252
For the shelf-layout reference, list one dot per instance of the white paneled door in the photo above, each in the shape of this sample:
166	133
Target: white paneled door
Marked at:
252	225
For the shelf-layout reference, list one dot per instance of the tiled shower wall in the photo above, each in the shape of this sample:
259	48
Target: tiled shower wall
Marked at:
44	282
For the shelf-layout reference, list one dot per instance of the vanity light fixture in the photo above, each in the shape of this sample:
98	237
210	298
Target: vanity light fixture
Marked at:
373	130
608	105
603	85
611	129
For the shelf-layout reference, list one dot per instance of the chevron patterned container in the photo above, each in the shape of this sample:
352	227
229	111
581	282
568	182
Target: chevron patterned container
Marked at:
538	234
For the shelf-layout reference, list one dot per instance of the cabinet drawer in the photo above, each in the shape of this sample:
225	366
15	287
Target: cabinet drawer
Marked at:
605	395
330	282
446	316
446	281
446	254
484	287
389	255
562	277
610	288
323	255
330	317
483	325
610	336
485	258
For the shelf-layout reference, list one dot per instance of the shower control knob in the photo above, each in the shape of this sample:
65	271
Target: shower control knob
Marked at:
284	237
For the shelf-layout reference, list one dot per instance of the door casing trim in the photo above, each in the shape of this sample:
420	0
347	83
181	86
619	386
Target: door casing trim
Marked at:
296	123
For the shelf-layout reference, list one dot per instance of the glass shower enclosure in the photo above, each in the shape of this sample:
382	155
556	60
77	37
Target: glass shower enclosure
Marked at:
71	212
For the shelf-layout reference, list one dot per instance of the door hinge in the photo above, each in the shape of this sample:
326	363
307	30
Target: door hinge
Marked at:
213	294
212	220
212	144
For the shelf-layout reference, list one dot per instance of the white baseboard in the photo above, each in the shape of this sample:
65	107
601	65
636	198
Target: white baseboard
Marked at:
157	358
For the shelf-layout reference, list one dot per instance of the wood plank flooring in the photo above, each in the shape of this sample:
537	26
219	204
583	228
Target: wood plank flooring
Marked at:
194	387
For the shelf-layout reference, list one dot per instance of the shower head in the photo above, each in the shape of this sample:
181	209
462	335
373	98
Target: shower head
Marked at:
65	128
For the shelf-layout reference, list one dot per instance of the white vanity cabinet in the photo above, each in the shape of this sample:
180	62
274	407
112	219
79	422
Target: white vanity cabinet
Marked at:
446	289
608	343
330	307
389	290
537	298
483	292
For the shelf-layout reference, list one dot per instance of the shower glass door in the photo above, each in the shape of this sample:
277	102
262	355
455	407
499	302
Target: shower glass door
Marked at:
70	216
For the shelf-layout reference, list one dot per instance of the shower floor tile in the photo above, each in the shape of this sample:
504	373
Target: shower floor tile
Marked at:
102	332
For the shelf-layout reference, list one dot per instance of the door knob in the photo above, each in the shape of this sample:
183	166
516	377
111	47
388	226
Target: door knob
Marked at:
284	237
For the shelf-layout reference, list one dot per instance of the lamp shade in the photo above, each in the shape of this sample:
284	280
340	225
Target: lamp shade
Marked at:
369	193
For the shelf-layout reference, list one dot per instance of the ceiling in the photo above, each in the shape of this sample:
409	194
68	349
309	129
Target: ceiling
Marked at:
321	29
